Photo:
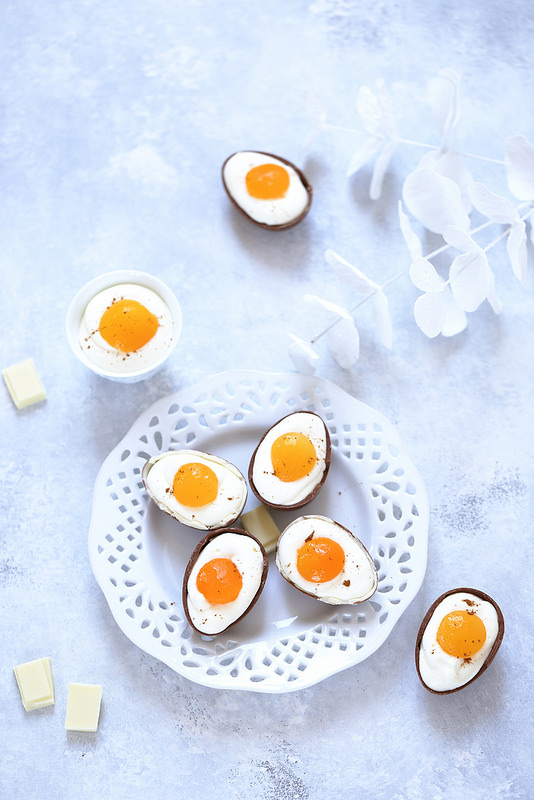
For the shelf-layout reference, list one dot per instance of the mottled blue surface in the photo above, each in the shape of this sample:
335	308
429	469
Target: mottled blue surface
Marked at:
115	118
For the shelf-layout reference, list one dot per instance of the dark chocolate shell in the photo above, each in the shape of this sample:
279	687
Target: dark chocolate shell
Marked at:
492	652
318	486
194	558
304	181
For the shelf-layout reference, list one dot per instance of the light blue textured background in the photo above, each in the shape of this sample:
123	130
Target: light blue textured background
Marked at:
115	118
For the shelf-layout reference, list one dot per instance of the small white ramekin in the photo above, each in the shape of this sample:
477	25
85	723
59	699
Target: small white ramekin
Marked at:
104	281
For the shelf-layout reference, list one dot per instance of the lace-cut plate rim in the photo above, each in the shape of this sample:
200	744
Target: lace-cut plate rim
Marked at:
288	641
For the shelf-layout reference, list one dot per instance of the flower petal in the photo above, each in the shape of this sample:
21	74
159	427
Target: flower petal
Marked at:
410	237
460	239
333	308
370	148
470	279
381	165
451	165
302	355
443	95
455	318
429	313
348	273
376	111
493	206
434	200
383	319
388	117
493	298
516	246
344	343
423	275
368	107
520	167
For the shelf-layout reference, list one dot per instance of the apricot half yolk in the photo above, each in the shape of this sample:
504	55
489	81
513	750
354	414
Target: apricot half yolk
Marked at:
267	181
320	559
195	485
220	581
461	634
127	325
293	456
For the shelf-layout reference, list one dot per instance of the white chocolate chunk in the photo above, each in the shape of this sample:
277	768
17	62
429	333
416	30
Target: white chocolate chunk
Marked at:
259	523
24	384
35	682
83	707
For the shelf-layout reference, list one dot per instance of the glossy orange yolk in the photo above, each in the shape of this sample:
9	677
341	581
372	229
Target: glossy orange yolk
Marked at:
293	456
461	634
267	181
320	559
127	325
220	581
195	485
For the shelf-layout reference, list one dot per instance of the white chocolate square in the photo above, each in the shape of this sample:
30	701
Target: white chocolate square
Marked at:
259	522
83	707
35	682
24	384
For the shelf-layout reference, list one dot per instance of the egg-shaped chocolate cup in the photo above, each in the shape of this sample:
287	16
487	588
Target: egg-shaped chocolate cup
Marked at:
493	645
325	560
275	213
291	494
223	580
203	477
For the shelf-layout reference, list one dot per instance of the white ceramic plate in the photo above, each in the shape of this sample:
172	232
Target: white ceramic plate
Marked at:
288	640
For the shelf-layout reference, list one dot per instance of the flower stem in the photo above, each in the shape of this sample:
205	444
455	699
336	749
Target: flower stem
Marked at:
456	152
413	143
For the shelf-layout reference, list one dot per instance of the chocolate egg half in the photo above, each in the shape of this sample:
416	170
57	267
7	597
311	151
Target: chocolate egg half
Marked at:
198	489
325	560
457	640
269	190
289	466
223	580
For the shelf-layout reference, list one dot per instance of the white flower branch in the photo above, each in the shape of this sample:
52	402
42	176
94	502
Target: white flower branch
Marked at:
440	194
